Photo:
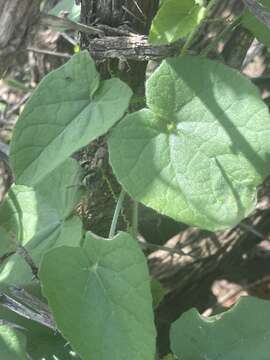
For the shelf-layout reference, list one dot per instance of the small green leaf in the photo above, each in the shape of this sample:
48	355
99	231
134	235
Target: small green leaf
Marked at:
104	288
42	342
70	108
242	333
158	292
174	20
260	31
40	218
70	7
12	344
202	147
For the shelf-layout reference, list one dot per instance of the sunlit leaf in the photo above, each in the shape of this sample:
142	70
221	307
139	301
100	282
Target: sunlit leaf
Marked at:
104	288
70	108
40	218
174	20
242	333
201	148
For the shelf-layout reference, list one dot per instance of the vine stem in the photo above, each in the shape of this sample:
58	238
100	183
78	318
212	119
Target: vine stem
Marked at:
231	26
117	211
168	249
20	249
194	33
134	225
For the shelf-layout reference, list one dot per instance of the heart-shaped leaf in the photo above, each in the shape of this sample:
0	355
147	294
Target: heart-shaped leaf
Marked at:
70	108
104	288
40	218
242	333
174	20
199	151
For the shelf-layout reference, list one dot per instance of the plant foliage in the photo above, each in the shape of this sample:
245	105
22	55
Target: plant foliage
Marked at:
201	158
174	20
104	287
70	108
242	333
197	153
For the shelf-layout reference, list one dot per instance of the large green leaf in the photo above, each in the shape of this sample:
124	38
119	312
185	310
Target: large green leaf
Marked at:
12	344
104	288
40	218
70	108
261	31
199	151
175	19
242	333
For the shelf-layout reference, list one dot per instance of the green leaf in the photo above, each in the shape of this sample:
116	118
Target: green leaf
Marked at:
169	357
104	289
12	344
260	31
158	292
242	333
70	108
6	246
73	9
40	218
174	20
42	343
200	150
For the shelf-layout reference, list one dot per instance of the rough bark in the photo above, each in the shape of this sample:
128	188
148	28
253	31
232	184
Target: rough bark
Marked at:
118	14
135	47
127	16
17	19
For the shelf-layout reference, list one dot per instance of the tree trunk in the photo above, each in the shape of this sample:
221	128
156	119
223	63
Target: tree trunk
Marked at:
17	19
120	14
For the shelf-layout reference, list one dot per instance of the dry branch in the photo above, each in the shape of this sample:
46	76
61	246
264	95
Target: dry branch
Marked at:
134	47
17	19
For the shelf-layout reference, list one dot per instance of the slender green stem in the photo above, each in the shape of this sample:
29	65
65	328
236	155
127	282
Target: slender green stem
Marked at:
231	26
21	251
116	213
18	209
194	33
134	225
189	41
